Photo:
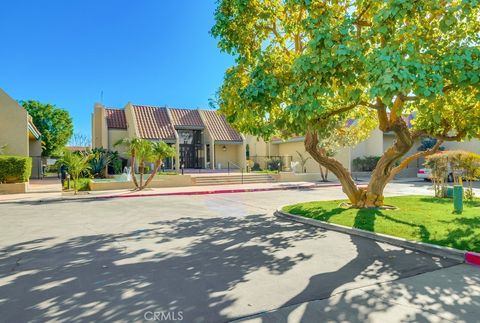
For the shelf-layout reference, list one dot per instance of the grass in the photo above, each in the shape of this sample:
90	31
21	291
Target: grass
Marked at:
265	171
419	218
167	173
82	184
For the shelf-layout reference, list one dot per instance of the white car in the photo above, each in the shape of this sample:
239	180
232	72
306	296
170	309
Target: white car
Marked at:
426	174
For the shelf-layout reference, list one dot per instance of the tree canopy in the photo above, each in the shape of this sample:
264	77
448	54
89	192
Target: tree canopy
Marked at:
312	67
55	125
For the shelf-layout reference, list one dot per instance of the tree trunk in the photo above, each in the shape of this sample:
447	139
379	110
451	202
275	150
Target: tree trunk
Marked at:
132	162
141	170
385	170
152	175
321	173
382	174
348	185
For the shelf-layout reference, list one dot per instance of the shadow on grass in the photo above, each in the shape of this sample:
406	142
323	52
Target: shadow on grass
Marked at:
318	213
459	233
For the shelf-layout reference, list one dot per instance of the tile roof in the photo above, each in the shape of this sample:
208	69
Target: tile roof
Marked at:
186	117
116	118
153	123
219	128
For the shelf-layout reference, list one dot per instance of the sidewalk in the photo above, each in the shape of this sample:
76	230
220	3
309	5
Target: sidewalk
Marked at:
187	190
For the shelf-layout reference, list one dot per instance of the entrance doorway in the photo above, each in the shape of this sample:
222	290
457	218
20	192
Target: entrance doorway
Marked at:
191	148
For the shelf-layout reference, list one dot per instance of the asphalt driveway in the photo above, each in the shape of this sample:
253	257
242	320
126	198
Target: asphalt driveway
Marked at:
211	258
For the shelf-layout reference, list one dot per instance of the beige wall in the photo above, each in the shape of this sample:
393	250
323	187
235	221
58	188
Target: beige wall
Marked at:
115	135
230	155
99	127
470	145
13	126
291	148
131	121
258	147
35	149
372	146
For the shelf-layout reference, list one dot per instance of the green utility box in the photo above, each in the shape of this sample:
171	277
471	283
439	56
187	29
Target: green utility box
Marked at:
450	192
458	198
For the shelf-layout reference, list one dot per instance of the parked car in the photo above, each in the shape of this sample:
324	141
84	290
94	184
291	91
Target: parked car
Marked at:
426	174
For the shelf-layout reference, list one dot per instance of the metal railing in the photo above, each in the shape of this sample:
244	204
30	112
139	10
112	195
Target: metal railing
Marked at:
231	164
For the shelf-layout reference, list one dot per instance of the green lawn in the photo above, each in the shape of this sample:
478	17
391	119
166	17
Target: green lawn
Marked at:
419	218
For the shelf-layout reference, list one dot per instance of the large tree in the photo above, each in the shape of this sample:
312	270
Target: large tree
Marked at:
311	67
55	125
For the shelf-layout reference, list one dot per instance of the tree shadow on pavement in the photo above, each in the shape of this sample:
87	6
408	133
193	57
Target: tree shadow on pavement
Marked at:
365	290
185	265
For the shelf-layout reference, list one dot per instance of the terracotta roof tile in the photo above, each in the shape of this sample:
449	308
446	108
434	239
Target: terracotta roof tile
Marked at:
219	127
153	123
116	118
186	117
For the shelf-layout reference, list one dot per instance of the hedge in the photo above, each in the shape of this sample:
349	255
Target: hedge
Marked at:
15	169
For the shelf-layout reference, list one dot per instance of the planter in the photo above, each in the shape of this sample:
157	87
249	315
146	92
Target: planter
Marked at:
13	188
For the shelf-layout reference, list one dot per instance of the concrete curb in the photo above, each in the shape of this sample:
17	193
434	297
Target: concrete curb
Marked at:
443	252
472	258
204	192
223	191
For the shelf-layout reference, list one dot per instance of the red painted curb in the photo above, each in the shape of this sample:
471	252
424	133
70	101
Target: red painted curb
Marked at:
237	190
472	258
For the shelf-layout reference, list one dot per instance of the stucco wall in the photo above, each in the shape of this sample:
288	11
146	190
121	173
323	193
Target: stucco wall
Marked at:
115	135
230	155
35	148
99	127
470	145
291	148
372	146
13	126
258	147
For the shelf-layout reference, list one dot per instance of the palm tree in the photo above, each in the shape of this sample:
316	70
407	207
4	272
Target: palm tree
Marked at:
142	150
133	145
160	150
3	149
77	163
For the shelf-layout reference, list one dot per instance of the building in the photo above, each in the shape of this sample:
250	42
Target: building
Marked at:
19	134
202	138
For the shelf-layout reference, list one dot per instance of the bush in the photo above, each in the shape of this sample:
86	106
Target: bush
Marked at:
256	167
15	169
463	165
273	164
365	164
83	184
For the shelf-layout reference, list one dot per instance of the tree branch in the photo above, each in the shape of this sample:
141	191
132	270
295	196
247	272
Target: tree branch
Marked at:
280	40
397	104
413	157
460	135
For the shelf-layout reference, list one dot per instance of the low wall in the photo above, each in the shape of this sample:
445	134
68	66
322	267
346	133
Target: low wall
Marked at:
14	188
301	177
157	182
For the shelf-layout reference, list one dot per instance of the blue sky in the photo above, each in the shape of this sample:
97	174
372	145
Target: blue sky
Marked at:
153	52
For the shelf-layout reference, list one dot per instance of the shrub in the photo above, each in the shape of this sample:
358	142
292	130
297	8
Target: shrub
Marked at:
365	163
117	166
83	184
463	165
256	167
15	169
273	163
